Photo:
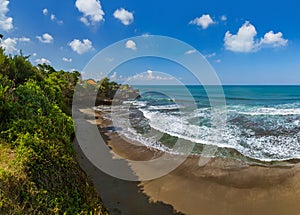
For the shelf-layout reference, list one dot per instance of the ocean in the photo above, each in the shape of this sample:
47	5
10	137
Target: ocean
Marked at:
262	122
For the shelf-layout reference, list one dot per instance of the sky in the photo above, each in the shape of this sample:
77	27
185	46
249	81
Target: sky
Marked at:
246	42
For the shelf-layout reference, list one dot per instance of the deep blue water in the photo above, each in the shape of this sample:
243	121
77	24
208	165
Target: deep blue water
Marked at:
262	122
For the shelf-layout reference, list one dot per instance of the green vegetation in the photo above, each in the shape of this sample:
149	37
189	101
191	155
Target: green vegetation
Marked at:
107	91
38	169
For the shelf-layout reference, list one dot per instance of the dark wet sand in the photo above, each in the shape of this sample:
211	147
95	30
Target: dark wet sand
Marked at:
222	186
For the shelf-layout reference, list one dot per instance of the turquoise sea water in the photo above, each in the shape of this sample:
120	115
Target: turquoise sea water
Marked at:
262	123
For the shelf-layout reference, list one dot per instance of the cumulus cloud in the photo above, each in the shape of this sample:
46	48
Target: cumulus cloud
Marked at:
9	44
204	21
81	47
69	60
45	11
124	16
6	23
45	38
192	51
273	39
42	61
244	40
92	11
130	45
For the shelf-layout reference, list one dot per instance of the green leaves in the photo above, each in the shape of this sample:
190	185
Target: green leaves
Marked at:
34	121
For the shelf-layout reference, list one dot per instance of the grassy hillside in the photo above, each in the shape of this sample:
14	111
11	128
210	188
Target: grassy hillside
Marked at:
38	170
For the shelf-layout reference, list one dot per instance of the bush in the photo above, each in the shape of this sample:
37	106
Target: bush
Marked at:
43	176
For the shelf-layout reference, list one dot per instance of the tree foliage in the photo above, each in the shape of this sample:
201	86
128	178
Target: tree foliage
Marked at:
35	121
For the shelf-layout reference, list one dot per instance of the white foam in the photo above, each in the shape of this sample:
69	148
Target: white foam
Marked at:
165	107
264	148
136	103
271	148
272	112
178	127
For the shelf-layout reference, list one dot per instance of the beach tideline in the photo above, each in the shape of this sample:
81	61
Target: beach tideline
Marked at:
222	186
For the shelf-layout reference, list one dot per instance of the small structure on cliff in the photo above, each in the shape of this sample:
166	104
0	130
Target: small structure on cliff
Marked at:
109	91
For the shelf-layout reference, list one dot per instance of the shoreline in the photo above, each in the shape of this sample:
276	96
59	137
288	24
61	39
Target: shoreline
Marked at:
222	186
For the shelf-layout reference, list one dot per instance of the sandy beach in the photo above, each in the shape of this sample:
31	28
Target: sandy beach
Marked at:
222	186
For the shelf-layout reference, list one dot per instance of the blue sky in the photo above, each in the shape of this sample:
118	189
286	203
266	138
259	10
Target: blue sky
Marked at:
246	42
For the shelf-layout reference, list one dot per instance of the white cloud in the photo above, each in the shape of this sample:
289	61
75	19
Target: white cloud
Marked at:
6	23
81	47
45	38
85	21
24	39
211	55
9	44
204	21
34	54
113	77
192	51
42	61
150	75
223	18
124	16
243	41
45	11
218	61
92	11
273	39
52	17
69	60
130	45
